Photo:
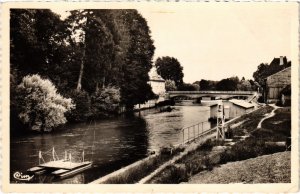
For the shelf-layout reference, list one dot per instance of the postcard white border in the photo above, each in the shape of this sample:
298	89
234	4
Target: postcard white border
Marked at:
8	187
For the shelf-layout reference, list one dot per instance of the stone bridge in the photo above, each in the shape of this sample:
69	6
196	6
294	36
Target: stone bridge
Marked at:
210	94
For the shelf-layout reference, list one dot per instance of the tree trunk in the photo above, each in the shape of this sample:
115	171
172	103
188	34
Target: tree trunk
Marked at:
81	70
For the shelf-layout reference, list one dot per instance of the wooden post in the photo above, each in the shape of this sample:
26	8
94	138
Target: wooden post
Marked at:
66	155
182	136
70	158
83	156
40	157
53	154
194	132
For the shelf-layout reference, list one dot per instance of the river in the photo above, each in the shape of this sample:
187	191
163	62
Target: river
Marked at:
110	143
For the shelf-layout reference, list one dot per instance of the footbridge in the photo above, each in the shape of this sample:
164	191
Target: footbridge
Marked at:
211	94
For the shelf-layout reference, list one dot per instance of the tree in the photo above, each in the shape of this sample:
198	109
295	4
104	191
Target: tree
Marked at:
37	42
204	85
264	70
89	29
42	107
170	68
227	84
106	100
170	85
188	87
244	85
140	50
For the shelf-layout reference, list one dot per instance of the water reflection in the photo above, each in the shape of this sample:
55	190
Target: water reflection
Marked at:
110	143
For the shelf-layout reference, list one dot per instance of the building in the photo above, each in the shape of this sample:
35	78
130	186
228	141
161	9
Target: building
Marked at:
157	83
286	96
276	83
158	86
214	110
232	108
240	107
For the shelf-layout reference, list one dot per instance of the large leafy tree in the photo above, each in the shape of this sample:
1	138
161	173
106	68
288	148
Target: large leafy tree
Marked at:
95	41
138	59
170	68
37	42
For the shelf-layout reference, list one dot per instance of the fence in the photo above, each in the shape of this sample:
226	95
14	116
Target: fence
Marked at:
194	131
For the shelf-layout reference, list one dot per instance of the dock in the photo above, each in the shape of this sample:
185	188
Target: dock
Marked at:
62	164
61	168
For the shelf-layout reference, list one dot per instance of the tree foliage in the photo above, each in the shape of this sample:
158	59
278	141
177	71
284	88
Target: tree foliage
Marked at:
264	69
42	108
90	51
106	100
228	84
170	85
169	68
188	87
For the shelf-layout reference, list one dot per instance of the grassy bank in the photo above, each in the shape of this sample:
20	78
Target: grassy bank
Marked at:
137	172
274	129
275	168
247	142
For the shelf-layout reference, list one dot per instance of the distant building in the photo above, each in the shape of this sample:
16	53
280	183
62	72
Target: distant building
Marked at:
158	86
156	82
276	83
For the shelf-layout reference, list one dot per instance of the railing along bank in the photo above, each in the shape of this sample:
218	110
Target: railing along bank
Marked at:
195	131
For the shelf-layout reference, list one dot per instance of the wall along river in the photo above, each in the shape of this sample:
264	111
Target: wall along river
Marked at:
110	143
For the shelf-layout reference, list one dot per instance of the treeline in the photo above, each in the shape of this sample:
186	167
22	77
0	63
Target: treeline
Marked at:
234	83
228	84
98	58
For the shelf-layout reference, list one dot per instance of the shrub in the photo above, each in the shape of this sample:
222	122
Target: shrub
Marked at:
82	101
177	173
41	107
106	100
170	85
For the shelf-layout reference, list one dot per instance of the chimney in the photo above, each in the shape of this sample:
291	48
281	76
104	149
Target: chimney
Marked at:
281	60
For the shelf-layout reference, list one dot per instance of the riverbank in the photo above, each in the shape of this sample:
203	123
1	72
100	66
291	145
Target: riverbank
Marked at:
248	141
274	168
202	146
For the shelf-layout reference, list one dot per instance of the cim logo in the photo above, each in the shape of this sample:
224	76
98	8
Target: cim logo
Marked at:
22	177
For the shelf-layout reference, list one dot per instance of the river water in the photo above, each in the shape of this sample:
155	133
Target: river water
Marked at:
111	143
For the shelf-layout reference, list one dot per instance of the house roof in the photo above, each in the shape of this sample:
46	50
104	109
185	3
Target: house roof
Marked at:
241	103
279	71
212	104
153	75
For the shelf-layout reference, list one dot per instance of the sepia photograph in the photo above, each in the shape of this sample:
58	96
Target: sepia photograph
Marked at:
198	94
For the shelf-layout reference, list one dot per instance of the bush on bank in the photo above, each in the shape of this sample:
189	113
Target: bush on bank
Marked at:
42	108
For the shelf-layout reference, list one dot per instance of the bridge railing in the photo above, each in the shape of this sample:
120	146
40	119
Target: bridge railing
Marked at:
212	92
195	131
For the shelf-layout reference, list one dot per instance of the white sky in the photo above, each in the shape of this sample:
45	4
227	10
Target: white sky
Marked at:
216	42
